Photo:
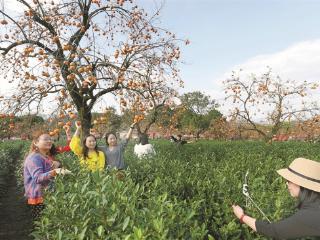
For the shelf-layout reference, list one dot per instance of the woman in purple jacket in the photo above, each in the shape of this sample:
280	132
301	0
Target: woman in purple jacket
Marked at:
38	171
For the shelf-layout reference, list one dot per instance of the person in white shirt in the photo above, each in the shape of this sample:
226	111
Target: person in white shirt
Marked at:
144	148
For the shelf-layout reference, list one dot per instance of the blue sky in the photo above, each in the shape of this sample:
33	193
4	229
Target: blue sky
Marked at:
225	34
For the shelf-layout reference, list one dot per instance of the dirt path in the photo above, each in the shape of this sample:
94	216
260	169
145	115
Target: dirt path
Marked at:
15	220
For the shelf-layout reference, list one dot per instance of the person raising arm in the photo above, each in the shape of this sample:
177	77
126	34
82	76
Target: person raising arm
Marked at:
89	155
114	150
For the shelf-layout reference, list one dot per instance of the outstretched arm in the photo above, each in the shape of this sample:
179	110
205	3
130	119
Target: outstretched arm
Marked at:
130	131
251	222
68	133
78	129
288	228
75	143
65	148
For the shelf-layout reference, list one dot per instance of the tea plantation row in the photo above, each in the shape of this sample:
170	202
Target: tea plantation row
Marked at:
183	192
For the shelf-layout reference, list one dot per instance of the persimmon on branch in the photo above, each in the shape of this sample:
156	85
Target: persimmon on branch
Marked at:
86	48
148	102
269	97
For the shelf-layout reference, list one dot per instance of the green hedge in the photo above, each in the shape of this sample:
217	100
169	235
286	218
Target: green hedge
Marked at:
10	151
183	192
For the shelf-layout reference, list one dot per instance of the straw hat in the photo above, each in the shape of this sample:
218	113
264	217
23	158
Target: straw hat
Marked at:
303	172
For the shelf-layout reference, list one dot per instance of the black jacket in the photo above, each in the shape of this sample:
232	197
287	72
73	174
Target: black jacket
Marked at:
304	223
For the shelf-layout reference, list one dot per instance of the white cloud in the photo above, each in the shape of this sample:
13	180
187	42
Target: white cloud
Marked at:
18	7
12	6
298	62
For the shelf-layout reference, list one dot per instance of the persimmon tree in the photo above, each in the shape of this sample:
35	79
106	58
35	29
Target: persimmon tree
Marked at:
269	98
149	104
309	128
219	128
168	120
107	121
76	52
160	99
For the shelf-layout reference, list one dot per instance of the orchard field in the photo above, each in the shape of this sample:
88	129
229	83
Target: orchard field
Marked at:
184	192
110	64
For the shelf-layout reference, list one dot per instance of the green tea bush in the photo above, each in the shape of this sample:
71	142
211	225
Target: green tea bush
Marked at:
10	151
184	192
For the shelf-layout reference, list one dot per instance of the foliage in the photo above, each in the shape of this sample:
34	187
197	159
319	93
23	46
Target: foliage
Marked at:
9	153
198	102
185	194
200	111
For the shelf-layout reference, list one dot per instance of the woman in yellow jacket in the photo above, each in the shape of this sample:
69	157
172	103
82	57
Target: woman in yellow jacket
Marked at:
88	153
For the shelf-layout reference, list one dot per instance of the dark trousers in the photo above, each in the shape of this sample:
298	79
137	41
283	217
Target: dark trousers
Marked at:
36	211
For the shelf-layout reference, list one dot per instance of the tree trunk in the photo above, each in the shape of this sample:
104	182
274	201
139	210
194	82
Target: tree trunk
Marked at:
138	129
85	119
142	134
197	135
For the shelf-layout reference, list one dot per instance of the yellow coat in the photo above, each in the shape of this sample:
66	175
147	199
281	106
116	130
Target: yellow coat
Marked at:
93	162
